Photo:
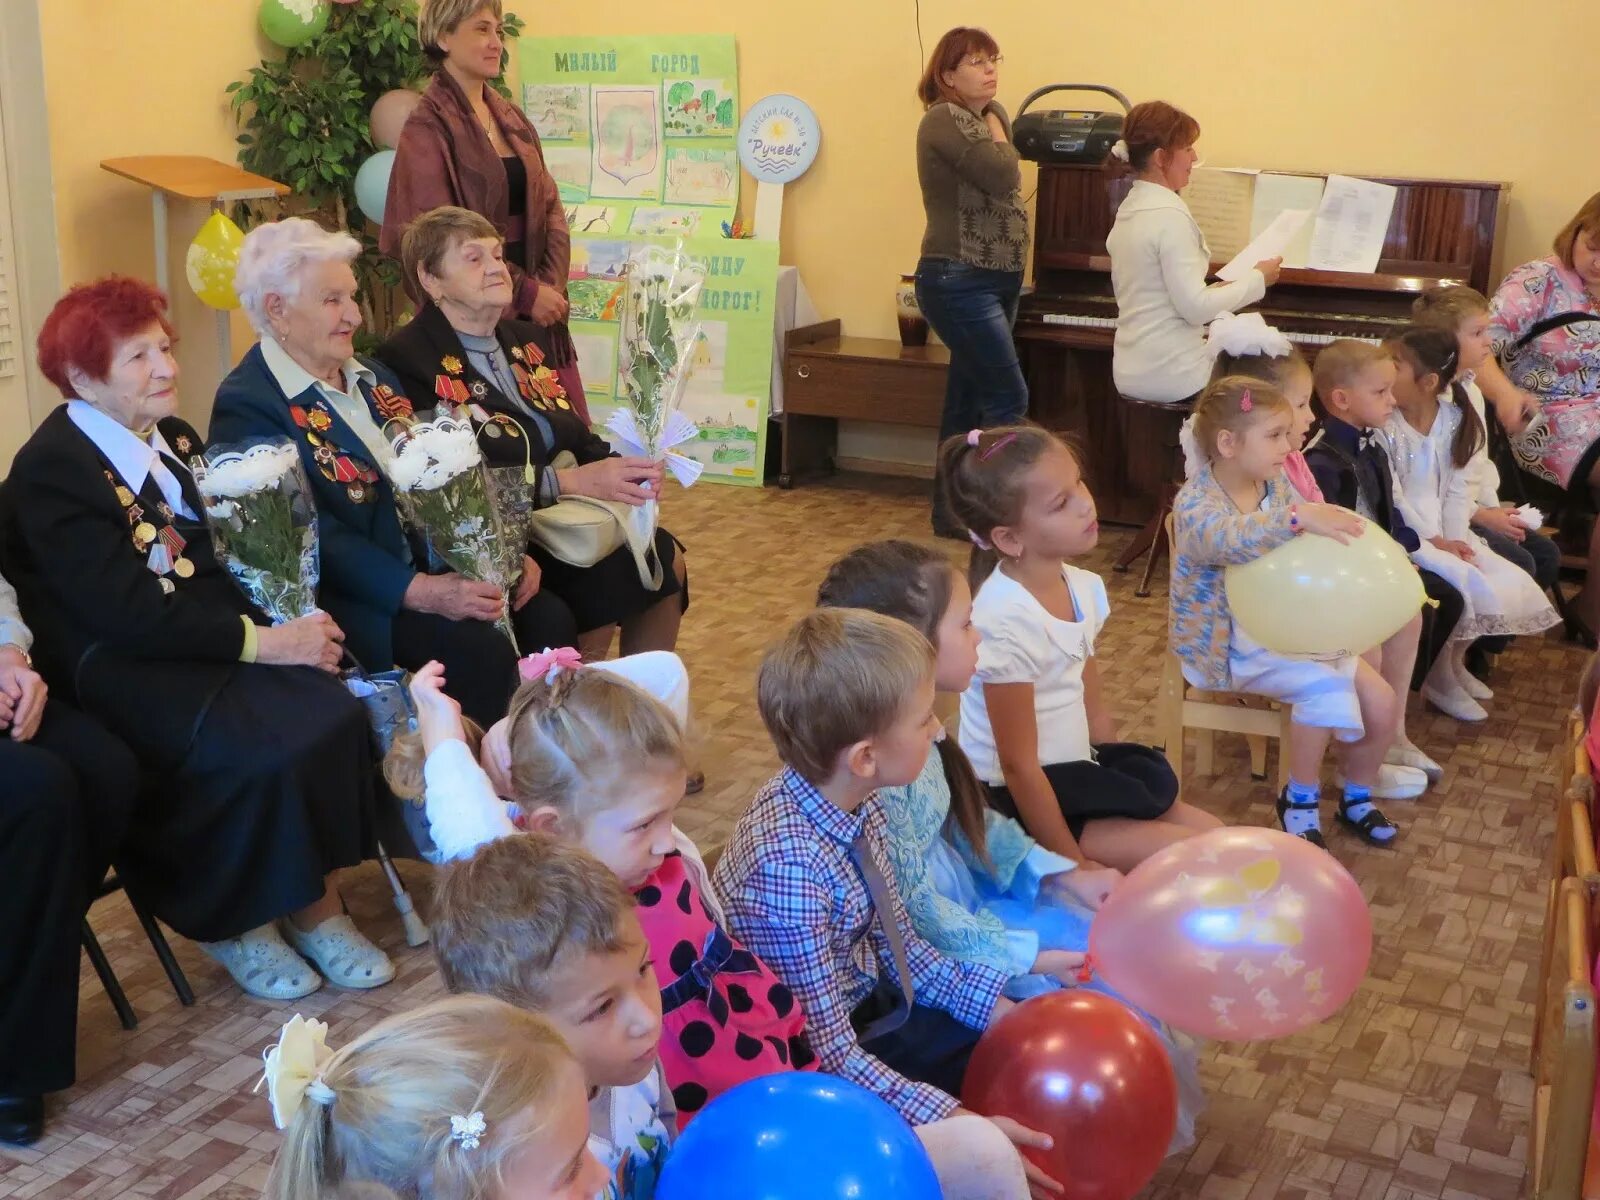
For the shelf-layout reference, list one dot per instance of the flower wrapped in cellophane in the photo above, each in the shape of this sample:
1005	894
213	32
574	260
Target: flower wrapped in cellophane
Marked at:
440	485
661	288
263	524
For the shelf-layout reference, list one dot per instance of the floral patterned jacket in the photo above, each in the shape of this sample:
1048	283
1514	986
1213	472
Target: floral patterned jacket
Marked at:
1210	533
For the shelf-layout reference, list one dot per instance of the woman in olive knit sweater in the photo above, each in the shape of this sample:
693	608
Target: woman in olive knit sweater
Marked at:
970	273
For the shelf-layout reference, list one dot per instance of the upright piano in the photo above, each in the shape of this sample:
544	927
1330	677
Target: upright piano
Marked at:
1442	231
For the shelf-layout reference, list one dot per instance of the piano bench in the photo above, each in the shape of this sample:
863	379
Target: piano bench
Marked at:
1150	423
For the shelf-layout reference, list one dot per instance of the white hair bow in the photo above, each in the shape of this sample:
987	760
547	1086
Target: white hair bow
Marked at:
1242	334
294	1068
1119	150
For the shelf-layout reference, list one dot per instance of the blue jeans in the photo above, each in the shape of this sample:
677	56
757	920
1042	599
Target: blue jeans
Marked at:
972	310
1535	554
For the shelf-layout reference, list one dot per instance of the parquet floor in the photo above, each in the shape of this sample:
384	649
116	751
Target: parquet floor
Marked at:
1419	1088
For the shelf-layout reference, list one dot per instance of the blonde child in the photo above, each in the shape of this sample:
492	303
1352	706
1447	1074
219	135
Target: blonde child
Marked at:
1033	720
1247	346
1432	446
1237	507
464	1099
975	884
1464	312
593	759
542	925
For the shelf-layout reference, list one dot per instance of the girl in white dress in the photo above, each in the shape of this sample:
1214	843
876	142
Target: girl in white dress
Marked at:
1431	442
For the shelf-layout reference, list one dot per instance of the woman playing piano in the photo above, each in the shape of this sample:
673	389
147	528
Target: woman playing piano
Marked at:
970	275
1159	264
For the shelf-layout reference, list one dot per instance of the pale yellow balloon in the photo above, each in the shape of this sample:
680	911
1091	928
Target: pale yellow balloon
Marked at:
212	259
1314	596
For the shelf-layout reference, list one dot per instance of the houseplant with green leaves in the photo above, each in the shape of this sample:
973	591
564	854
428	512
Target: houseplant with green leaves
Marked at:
304	122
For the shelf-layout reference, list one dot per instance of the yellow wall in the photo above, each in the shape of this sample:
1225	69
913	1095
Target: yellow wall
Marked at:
1423	87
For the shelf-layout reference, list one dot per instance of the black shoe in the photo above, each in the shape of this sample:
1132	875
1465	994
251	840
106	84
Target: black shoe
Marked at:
1313	835
21	1119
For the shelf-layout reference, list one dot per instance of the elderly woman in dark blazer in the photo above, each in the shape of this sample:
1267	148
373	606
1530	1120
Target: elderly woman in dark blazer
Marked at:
258	763
467	145
302	380
68	797
461	352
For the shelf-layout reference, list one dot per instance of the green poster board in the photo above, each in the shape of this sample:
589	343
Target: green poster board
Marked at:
638	131
730	384
639	134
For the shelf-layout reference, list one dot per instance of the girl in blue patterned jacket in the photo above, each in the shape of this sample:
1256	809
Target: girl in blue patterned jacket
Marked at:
1236	508
975	884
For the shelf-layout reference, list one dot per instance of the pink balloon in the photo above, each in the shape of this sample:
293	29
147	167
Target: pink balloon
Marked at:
389	116
1237	934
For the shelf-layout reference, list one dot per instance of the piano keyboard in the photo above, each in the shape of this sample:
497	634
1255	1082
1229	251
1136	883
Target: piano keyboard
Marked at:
1299	337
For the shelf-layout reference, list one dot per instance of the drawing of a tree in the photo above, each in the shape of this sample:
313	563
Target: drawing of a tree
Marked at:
725	112
679	92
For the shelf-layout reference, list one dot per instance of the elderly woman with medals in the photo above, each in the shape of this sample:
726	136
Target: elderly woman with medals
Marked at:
303	381
463	353
257	765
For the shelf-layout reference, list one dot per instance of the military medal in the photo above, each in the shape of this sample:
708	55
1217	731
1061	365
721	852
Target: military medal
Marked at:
165	510
319	420
183	444
451	364
182	567
167	585
124	496
478	389
143	534
357	492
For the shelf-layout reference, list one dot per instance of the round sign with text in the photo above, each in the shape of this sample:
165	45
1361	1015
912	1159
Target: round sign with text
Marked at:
778	139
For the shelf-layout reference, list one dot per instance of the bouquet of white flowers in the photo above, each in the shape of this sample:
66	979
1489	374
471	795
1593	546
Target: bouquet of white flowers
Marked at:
659	334
438	475
263	524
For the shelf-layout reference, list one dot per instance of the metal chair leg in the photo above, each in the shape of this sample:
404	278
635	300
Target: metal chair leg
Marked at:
416	930
169	963
108	978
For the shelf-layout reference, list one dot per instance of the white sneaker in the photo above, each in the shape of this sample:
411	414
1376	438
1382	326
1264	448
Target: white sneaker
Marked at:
262	963
342	953
1454	702
1404	754
1394	783
1473	686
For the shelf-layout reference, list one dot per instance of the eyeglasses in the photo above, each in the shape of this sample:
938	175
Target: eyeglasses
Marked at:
979	61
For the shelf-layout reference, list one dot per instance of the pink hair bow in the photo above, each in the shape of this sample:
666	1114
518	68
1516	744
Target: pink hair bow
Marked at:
1245	403
548	664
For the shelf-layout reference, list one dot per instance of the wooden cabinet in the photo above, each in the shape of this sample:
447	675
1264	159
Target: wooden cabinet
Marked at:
827	376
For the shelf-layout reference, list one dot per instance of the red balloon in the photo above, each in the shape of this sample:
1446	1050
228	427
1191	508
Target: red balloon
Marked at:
1084	1069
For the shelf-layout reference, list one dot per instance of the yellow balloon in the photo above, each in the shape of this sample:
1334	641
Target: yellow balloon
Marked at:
1314	596
212	259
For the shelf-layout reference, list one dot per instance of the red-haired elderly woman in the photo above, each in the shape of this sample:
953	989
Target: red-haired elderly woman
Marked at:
257	764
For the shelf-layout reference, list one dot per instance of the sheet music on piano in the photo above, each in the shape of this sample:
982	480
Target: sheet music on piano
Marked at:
1351	225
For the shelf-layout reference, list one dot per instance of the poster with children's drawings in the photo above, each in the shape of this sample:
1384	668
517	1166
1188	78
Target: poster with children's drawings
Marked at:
598	259
665	222
627	143
629	105
559	111
595	220
595	299
569	167
597	358
703	176
699	108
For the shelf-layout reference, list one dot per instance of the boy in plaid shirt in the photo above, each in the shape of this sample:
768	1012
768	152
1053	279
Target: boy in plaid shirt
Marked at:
805	881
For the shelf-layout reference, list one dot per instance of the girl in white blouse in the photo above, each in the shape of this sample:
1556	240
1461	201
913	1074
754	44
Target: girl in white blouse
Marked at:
1432	443
1159	264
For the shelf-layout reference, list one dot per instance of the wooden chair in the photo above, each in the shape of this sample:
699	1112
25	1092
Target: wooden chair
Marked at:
1572	851
1184	708
1564	1074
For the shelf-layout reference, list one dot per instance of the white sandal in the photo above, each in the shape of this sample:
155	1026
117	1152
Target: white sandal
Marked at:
1404	754
342	953
264	965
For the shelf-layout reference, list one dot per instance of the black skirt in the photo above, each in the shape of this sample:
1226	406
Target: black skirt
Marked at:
277	789
610	591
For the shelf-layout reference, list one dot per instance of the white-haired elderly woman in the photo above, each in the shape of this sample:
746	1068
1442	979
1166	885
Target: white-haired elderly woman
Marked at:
303	380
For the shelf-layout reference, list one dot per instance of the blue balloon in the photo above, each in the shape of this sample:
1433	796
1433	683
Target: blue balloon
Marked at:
798	1136
372	185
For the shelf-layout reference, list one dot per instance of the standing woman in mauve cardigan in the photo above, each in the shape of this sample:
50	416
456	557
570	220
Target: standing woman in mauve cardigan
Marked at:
970	274
466	145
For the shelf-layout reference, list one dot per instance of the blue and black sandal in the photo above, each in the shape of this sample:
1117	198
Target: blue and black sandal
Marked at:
1362	818
1301	820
